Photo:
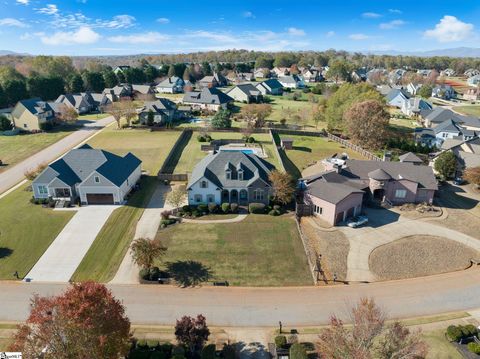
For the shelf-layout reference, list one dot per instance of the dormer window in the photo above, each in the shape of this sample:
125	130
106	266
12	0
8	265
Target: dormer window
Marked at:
228	174
240	175
96	179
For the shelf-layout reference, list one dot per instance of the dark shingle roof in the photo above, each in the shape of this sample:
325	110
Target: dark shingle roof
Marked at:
410	157
207	96
36	105
331	192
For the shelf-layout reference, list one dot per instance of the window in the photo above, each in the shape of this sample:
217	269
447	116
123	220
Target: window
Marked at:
198	198
42	190
317	209
258	195
243	194
62	192
24	125
400	193
203	184
210	198
96	179
229	175
240	175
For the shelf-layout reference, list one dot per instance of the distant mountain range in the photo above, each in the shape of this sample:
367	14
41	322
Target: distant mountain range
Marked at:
7	52
453	52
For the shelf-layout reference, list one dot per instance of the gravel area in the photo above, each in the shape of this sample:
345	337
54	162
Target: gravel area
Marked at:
418	256
333	246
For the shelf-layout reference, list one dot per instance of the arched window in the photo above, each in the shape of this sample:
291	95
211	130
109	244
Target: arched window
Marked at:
243	194
203	184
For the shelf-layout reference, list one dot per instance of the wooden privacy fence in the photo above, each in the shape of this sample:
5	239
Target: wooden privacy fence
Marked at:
353	147
311	254
166	171
277	150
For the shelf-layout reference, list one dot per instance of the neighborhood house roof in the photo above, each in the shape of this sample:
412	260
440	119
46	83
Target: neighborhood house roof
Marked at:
36	105
272	84
207	96
410	157
247	89
214	166
395	92
169	82
80	163
159	106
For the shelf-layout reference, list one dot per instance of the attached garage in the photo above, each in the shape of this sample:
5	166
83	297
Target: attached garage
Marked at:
100	198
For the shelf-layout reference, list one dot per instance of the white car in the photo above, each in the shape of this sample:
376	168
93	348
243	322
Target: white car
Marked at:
357	221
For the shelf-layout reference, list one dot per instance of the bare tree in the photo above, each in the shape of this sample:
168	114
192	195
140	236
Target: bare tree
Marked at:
177	196
67	114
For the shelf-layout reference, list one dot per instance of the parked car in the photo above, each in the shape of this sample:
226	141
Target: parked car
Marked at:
458	181
357	221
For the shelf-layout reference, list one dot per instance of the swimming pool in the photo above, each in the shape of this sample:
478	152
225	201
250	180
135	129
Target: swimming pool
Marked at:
246	151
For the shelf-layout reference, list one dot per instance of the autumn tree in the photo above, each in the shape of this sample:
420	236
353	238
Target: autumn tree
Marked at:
367	123
177	197
339	70
283	187
425	91
256	114
472	175
318	112
192	332
67	114
86	321
369	336
446	164
146	251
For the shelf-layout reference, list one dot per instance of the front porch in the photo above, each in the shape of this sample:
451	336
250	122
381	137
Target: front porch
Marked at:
235	196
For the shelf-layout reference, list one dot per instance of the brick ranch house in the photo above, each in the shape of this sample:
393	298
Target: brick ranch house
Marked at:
341	191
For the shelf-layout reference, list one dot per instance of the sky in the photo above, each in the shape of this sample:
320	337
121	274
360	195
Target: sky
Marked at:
107	27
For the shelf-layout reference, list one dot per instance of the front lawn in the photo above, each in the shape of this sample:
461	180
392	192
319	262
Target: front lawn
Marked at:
309	149
260	251
107	251
192	153
14	149
473	110
94	116
26	231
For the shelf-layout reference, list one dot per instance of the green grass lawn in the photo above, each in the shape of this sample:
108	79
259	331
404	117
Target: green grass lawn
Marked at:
107	251
260	251
151	147
307	150
473	110
439	347
192	154
26	231
14	149
93	116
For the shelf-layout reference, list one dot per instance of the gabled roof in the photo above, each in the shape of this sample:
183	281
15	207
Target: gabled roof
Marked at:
379	175
80	163
170	82
440	114
35	105
159	106
247	89
143	89
331	192
271	84
213	167
410	157
447	126
396	92
207	96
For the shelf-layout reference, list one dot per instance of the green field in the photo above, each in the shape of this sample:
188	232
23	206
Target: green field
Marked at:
192	154
439	347
14	149
107	251
262	250
473	110
151	147
93	116
26	231
307	150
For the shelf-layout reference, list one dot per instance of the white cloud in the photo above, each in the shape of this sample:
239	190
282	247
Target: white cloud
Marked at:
358	37
450	29
330	34
140	38
395	11
295	32
23	2
49	9
216	36
83	35
117	22
371	15
163	20
8	21
249	14
394	24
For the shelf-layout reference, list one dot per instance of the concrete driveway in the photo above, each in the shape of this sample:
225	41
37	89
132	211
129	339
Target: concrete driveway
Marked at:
385	227
62	258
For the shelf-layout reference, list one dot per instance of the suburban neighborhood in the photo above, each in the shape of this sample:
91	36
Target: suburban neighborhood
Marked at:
239	193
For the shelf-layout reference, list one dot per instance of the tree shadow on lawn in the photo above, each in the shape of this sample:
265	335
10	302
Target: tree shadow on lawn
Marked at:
302	148
189	273
5	252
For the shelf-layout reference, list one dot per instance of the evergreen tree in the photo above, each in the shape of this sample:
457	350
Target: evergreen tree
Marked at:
15	90
110	78
76	84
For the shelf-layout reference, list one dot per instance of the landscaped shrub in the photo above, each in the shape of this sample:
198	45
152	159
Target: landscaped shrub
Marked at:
256	208
166	214
46	126
212	208
201	138
469	330
297	351
280	341
208	352
274	213
225	207
196	213
186	208
277	207
202	208
151	274
250	139
228	351
456	333
152	344
234	207
178	350
474	347
142	344
166	348
167	222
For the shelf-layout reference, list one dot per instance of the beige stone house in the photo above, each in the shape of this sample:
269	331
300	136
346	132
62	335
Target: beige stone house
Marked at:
30	115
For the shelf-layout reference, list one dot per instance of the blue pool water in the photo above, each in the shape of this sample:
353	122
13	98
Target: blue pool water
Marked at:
246	151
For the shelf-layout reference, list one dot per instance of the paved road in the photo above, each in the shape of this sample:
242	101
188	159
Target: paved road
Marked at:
64	255
253	307
14	175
